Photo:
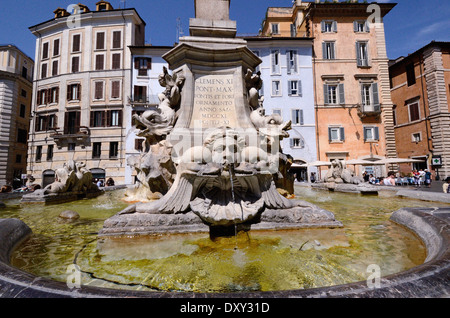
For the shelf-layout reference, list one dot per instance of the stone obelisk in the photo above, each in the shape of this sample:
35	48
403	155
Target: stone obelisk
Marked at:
225	148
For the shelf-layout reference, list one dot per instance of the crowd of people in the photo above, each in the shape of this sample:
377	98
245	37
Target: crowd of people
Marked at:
417	178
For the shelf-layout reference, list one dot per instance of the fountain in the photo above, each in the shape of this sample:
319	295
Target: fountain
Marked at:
72	182
341	179
213	172
225	150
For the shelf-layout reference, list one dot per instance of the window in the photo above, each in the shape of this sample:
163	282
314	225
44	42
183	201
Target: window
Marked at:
45	51
108	118
115	89
96	150
414	112
328	51
362	53
117	40
361	26
18	158
336	134
23	110
23	93
410	74
38	153
22	136
275	28
44	70
75	64
291	56
116	61
72	122
76	43
99	62
113	150
140	94
369	97
297	117
100	44
71	146
293	30
275	62
276	88
98	119
45	123
295	88
143	64
56	47
334	94
371	134
54	95
24	72
42	98
297	143
49	152
74	92
98	95
114	118
329	26
277	111
139	144
54	68
417	137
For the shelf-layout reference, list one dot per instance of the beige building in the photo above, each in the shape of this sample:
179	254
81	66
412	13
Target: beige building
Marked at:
16	76
82	83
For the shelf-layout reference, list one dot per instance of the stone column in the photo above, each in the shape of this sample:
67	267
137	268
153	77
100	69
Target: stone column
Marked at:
438	105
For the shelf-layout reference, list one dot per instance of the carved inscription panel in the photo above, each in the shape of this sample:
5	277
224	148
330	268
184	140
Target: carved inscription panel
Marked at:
214	102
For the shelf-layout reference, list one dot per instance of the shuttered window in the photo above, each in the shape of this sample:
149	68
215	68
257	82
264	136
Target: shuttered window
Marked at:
98	90
117	39
76	43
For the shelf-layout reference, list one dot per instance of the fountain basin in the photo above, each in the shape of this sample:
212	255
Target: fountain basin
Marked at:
427	280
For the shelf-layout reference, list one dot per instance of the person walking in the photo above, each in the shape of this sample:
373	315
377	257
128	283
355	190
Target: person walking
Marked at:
446	185
427	178
416	176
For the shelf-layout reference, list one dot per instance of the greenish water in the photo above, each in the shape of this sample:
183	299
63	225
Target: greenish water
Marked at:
257	261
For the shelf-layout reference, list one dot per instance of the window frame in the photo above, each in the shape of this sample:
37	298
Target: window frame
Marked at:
375	132
340	134
275	62
329	50
276	92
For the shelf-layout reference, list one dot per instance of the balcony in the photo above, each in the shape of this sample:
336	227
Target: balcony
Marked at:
145	101
77	136
369	111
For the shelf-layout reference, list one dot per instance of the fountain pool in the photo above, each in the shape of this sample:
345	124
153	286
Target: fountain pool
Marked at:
253	261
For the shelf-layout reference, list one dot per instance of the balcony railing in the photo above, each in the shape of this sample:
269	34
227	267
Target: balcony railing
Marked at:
151	100
80	135
369	110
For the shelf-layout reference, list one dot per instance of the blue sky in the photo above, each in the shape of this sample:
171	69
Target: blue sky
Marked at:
409	26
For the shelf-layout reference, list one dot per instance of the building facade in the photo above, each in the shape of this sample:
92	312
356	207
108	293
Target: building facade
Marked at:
16	77
353	107
354	110
421	94
286	71
147	66
82	83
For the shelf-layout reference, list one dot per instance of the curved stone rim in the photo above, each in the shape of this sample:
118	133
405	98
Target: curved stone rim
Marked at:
427	280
